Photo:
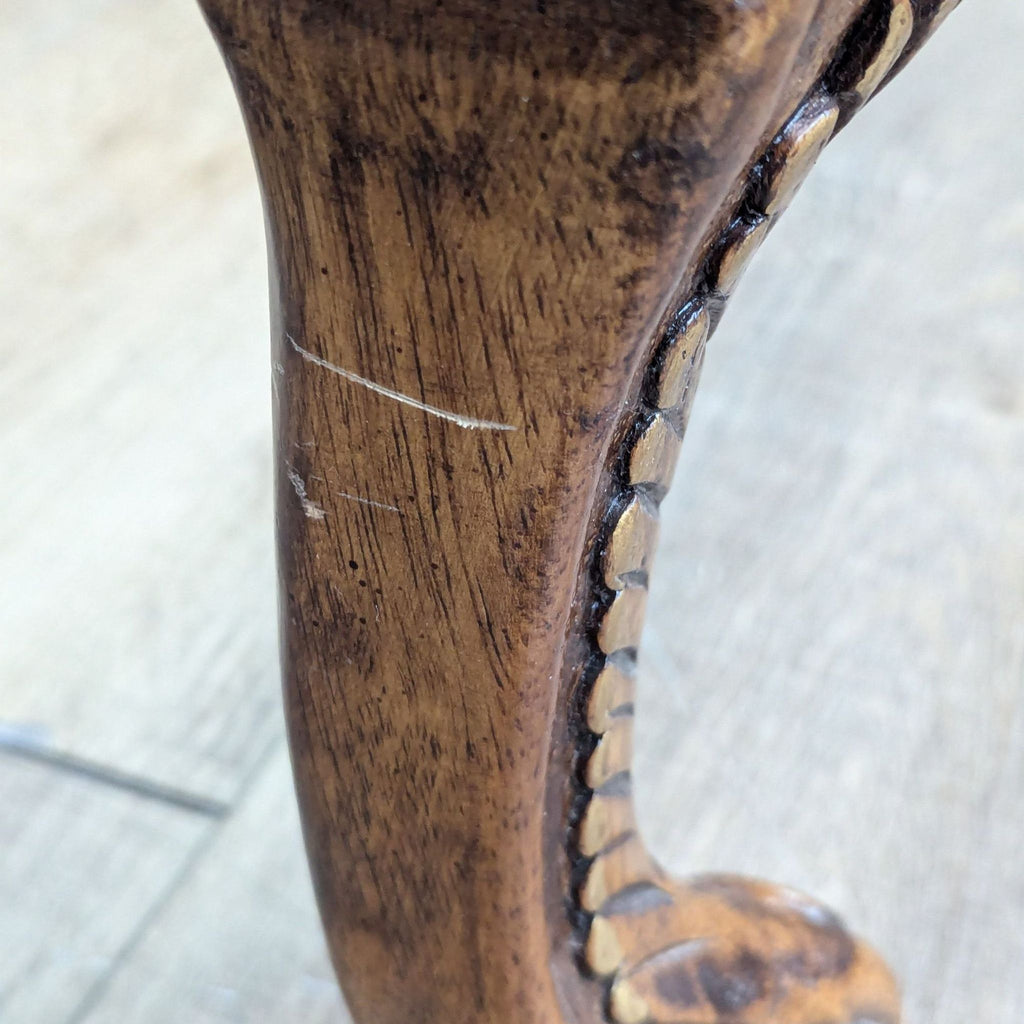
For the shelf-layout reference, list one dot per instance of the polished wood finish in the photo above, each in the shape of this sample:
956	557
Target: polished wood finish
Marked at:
500	237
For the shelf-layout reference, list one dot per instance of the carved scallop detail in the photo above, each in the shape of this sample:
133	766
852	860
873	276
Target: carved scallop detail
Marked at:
653	458
603	950
801	142
613	689
608	817
623	621
631	545
613	753
616	869
901	24
684	351
637	916
638	990
741	242
627	1005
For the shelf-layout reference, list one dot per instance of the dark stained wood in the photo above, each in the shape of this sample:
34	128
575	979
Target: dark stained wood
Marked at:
499	236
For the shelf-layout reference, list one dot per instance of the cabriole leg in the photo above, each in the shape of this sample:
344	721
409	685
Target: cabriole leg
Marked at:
500	236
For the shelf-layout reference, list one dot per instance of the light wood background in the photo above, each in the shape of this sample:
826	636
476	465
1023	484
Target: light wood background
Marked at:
834	666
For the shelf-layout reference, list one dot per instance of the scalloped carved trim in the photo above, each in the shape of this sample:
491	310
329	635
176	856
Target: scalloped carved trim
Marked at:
697	953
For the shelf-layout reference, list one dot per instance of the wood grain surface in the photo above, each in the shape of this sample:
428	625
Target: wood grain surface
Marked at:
830	686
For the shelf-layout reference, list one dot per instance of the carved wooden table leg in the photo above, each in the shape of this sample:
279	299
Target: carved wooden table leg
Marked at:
500	235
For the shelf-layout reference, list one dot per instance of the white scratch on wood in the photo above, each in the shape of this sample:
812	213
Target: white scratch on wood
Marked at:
369	501
311	508
467	422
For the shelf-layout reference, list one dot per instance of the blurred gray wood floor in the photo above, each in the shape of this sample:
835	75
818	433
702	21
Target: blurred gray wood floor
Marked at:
832	691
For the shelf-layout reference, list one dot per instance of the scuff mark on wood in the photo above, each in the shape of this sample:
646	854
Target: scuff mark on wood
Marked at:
311	509
370	502
466	422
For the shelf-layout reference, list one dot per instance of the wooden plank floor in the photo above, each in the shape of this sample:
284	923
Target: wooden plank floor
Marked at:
834	666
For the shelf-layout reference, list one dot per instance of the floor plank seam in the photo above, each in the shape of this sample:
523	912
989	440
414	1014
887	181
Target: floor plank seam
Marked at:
95	993
109	776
